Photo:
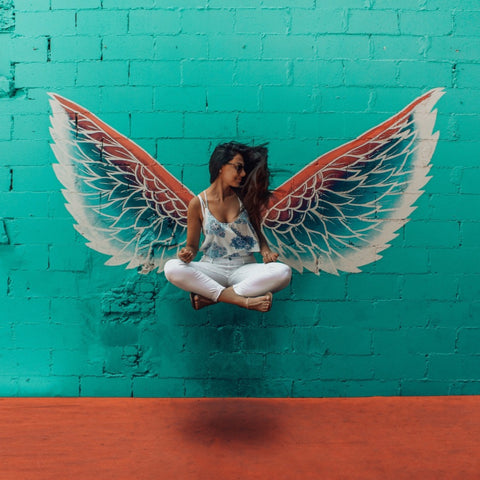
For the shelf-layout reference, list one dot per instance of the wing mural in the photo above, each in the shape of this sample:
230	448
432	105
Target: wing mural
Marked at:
124	202
339	211
336	214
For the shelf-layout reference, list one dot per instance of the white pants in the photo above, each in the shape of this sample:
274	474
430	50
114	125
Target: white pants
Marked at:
210	277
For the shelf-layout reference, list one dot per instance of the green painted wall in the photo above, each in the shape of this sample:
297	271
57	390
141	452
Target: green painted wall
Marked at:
180	79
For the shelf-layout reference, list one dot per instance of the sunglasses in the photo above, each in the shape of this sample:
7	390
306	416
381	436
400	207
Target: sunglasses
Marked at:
238	167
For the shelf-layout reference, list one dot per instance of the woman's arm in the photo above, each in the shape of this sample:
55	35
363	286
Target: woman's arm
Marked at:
194	227
267	255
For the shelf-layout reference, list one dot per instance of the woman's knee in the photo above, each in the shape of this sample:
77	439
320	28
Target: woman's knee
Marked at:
283	271
283	274
172	269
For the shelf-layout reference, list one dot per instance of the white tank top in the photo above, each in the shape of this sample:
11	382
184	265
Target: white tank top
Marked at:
222	239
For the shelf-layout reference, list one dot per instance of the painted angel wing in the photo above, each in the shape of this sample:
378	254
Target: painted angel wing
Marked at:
124	202
339	211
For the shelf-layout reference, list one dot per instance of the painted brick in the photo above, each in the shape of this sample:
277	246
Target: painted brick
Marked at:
467	127
47	386
26	309
28	49
454	207
21	257
444	313
468	340
118	47
199	72
201	21
426	23
33	362
32	5
460	100
307	287
157	387
332	340
265	340
67	4
466	23
117	99
469	387
69	48
461	260
45	23
453	48
127	4
61	259
415	307
43	284
104	386
432	234
210	125
294	99
470	232
342	47
469	287
430	287
6	123
233	98
157	124
179	47
405	260
261	21
8	386
179	99
263	126
453	367
310	4
102	73
372	21
154	73
288	47
154	22
415	74
82	363
345	99
233	46
33	179
376	286
398	47
40	230
108	22
317	21
414	341
274	388
424	387
370	72
325	73
389	368
50	74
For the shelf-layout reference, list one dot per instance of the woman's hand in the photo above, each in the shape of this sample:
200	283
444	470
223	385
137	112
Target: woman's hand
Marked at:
269	256
186	254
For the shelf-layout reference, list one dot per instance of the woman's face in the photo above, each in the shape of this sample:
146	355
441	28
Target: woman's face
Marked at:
234	171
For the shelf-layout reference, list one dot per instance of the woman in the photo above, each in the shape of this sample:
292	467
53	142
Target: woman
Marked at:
229	213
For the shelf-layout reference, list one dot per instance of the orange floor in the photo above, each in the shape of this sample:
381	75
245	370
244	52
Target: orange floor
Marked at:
139	439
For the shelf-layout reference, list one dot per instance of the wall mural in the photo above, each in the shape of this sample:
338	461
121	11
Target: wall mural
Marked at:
336	214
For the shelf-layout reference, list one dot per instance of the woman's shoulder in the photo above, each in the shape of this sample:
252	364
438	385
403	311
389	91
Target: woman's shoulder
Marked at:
194	203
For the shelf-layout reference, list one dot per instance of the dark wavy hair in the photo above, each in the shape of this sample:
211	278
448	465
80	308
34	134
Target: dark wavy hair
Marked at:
254	191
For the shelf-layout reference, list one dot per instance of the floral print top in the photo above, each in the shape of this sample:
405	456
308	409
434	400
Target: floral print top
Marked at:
234	239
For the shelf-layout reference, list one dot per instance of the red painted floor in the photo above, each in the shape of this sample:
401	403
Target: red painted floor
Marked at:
139	439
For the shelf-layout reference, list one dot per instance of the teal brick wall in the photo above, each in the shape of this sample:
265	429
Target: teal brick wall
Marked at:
305	76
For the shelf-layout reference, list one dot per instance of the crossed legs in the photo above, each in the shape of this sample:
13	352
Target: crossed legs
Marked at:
249	285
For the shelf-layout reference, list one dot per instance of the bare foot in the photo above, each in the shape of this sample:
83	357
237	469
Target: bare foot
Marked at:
261	304
199	301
